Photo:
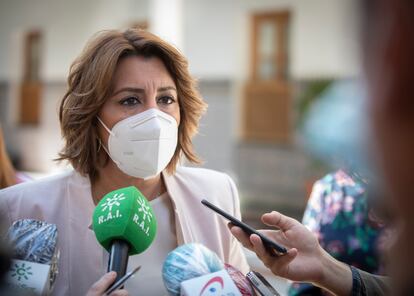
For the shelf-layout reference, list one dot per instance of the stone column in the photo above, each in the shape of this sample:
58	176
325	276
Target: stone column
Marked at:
166	20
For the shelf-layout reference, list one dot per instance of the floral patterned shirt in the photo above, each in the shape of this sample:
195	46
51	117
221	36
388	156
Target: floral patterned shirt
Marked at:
338	213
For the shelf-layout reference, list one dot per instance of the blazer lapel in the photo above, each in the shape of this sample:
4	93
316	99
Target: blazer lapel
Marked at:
182	227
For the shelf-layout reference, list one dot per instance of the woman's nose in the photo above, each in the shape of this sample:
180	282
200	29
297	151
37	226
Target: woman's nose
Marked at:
151	103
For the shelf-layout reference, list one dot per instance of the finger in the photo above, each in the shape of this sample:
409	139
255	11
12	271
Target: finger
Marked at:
260	249
281	265
277	264
119	292
276	235
241	236
278	220
99	287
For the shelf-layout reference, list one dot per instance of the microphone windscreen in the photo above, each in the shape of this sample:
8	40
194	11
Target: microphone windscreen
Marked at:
240	280
33	240
187	262
125	214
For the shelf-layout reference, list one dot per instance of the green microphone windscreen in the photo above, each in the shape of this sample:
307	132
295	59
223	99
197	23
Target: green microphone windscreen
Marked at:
125	214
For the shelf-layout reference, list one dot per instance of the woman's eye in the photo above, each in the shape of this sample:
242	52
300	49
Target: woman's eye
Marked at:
130	101
167	100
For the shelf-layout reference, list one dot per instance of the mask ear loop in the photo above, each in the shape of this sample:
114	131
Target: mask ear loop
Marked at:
105	127
100	141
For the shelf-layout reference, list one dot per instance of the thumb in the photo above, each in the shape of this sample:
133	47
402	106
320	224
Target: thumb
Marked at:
99	287
278	220
281	265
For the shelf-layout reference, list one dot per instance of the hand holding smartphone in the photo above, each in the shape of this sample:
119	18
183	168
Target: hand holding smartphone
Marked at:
122	280
272	247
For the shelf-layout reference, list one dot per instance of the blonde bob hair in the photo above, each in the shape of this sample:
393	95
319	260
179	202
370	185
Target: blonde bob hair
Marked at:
90	84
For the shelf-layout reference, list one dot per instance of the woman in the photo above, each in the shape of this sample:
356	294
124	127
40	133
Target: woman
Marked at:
128	117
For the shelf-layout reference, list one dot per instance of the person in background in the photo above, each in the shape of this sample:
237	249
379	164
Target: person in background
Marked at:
339	214
8	175
388	46
127	119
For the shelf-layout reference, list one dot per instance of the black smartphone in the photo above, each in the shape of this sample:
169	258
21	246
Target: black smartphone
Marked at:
272	247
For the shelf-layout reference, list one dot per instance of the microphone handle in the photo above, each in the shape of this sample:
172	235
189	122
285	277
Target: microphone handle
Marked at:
118	258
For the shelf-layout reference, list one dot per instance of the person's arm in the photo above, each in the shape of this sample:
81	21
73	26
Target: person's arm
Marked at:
100	286
305	260
365	283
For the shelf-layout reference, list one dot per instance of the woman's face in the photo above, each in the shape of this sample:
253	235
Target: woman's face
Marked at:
139	84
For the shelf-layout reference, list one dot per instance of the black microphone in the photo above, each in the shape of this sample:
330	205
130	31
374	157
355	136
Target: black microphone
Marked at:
118	257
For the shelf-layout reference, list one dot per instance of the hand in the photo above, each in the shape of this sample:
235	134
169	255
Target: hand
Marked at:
99	287
301	262
305	260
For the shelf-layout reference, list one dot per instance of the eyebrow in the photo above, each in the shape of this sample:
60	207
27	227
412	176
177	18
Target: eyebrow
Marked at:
141	90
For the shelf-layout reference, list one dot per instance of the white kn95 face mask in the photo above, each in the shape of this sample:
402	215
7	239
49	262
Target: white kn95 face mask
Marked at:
142	145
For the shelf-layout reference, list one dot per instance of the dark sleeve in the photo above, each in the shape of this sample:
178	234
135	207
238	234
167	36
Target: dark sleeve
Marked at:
364	283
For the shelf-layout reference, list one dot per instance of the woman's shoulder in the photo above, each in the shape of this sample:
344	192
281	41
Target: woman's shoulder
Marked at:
217	187
201	174
45	199
44	185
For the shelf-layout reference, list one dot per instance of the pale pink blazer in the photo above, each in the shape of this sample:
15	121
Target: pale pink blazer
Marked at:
66	201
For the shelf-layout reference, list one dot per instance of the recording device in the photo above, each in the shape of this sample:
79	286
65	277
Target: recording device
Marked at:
240	280
35	256
186	262
216	283
262	286
192	269
272	247
124	224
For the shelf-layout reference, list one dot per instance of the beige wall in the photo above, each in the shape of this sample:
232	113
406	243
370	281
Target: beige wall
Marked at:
66	26
322	37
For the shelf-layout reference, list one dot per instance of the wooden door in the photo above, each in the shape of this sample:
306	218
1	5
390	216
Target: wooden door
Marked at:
31	86
267	94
